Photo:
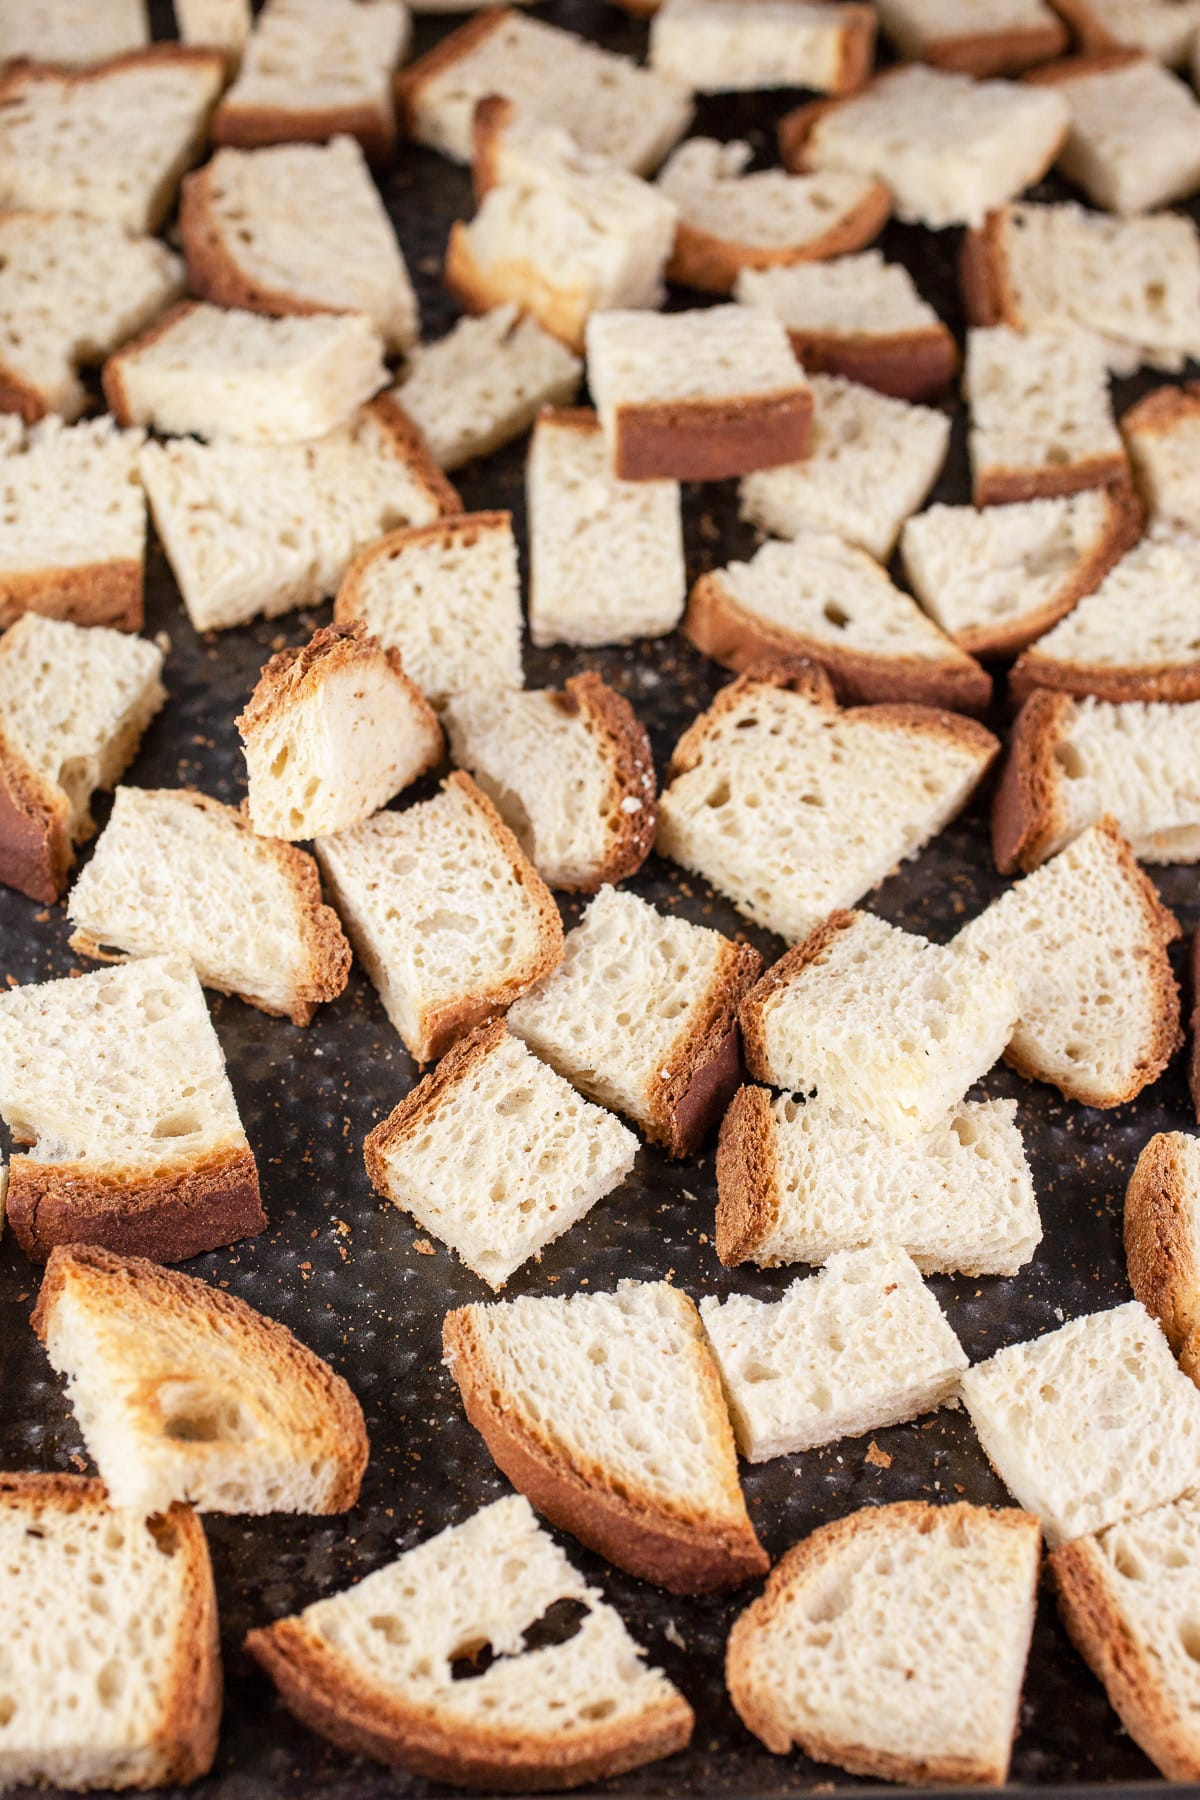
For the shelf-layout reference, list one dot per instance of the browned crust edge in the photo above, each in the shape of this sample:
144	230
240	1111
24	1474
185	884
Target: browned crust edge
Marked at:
455	526
779	976
102	593
624	745
112	373
19	395
858	27
988	53
1194	1058
1005	487
705	1059
443	56
1158	1243
35	840
420	1105
1156	681
1162	409
1094	62
711	440
909	365
561	311
1026	813
982	274
747	1179
241	126
712	264
409	447
213	272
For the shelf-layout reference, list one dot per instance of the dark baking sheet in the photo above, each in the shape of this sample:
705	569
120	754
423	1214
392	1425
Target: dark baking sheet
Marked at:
359	1283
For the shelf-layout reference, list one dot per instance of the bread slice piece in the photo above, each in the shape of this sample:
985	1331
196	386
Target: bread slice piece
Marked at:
570	771
1033	437
254	529
799	1181
223	23
126	1707
950	149
373	1668
1193	1067
721	46
642	1017
297	228
449	917
860	317
821	598
1085	940
112	142
653	1485
996	578
74	702
794	808
178	873
871	462
314	68
731	222
1162	436
118	1082
605	556
182	1391
73	33
974	37
862	1345
246	376
1164	28
696	396
496	1154
1162	1233
446	598
1134	142
935	1697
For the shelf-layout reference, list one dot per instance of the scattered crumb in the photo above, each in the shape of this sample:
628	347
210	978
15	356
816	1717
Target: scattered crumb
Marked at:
878	1459
423	1247
673	1635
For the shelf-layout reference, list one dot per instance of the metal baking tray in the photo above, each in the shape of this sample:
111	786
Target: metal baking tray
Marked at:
356	1280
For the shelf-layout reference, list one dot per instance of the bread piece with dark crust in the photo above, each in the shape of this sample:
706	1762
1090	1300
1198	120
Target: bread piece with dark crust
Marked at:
1194	1022
987	53
1162	1232
909	365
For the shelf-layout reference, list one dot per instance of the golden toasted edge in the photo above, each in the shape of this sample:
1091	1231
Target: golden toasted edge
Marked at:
1158	1239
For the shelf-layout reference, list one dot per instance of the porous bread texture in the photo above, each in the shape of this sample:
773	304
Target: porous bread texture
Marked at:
798	1181
1084	939
496	1154
247	376
725	46
113	142
642	1016
73	33
871	462
1041	418
1164	28
975	37
183	1392
110	1675
447	599
605	556
1134	142
878	1021
1162	436
225	23
449	917
373	1667
893	1643
176	873
862	1345
259	529
71	290
1090	1424
652	1485
1162	1233
484	383
297	228
793	807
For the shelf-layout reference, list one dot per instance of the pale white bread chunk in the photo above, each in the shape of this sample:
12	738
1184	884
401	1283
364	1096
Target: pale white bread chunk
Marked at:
605	556
724	46
111	1666
73	33
793	807
652	1484
448	916
225	23
496	1154
977	37
1164	28
1162	436
447	599
1041	418
1092	1423
113	142
297	228
949	148
1162	1233
799	1180
570	772
879	1021
871	462
484	383
177	873
331	733
641	1016
608	104
254	529
1134	142
373	1667
244	375
893	1642
862	1345
182	1392
71	290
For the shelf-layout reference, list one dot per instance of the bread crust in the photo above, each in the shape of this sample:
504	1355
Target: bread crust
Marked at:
562	311
421	1104
1155	681
408	446
703	260
461	42
1087	28
1162	409
1158	1243
35	839
1026	812
1002	487
987	294
909	365
624	746
101	593
1078	68
1194	1057
453	526
781	974
20	396
243	126
747	1177
711	440
705	1059
988	53
112	373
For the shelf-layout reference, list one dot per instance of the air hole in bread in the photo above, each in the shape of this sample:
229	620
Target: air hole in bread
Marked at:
195	1414
8	1707
1189	1638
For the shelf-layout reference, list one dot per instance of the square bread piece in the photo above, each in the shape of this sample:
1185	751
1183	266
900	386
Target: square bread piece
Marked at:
73	33
974	37
224	23
605	556
112	142
727	46
74	702
448	915
1041	418
496	1154
1162	436
951	149
871	462
1090	1424
1164	28
1134	142
1162	1235
642	1017
794	808
117	1083
697	396
860	1346
127	1707
297	228
74	537
447	599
